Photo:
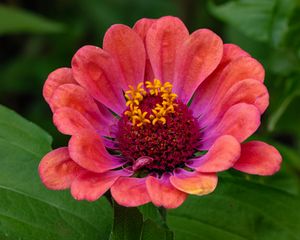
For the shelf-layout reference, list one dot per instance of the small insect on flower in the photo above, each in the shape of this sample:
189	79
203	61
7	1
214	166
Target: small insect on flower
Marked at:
155	114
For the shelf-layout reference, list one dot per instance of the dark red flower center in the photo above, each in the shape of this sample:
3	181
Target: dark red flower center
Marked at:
159	147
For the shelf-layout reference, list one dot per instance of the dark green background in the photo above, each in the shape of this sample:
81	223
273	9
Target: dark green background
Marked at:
37	37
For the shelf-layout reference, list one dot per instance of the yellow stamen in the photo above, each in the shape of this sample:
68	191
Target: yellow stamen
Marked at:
154	88
135	96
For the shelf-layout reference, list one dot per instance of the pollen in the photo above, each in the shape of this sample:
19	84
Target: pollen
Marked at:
155	92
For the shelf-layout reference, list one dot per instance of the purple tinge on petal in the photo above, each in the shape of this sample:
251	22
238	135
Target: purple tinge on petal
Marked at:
88	151
236	65
237	70
221	156
77	98
111	144
248	91
240	121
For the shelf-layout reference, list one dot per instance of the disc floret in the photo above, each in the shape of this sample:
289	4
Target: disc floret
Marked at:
157	132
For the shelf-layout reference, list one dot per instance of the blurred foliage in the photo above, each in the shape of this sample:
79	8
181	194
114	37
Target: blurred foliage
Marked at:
23	22
38	36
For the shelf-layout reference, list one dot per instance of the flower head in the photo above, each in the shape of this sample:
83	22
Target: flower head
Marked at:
155	114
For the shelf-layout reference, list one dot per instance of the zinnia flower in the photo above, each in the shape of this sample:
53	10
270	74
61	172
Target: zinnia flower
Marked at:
155	114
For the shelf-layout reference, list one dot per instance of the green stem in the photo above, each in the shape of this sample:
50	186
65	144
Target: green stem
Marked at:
127	224
163	213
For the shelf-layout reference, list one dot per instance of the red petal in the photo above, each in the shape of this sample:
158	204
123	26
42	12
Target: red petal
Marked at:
57	170
162	192
200	55
87	149
194	182
126	46
221	156
141	27
58	77
237	70
69	121
91	186
97	71
230	53
240	121
249	91
163	41
130	192
258	158
77	98
207	90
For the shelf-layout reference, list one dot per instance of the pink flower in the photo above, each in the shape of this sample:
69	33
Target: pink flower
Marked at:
155	114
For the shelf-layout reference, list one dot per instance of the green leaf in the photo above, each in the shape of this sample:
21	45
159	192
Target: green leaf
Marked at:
281	109
262	20
285	118
238	210
252	17
290	155
13	20
27	209
128	223
280	20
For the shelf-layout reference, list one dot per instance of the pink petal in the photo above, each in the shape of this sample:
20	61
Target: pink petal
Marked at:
194	182
237	70
126	46
87	150
141	27
77	98
258	158
97	71
130	191
163	42
221	156
240	121
57	170
91	186
69	121
229	63
58	77
230	53
162	192
200	55
249	91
